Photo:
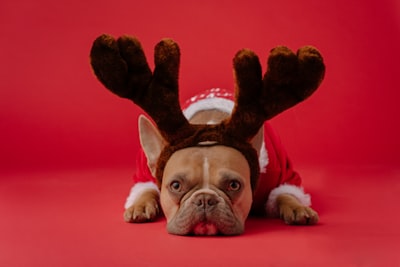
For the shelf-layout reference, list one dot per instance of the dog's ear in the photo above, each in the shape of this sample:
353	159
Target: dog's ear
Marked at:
151	142
258	140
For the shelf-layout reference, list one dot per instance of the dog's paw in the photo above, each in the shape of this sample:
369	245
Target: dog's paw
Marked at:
145	209
291	211
299	214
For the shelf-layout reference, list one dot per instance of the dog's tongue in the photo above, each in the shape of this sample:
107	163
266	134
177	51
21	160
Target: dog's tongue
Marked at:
205	228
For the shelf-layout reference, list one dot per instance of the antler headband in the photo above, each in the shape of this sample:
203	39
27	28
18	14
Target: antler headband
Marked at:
290	78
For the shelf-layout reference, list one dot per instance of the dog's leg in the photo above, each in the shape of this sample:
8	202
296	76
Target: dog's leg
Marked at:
293	212
142	204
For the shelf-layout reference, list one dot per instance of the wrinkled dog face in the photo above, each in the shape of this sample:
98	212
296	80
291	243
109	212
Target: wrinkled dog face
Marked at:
206	191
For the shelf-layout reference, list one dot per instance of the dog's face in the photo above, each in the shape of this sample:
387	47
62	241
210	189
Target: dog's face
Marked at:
206	191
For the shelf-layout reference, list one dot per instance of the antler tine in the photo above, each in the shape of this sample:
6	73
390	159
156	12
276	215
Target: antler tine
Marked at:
122	67
162	99
289	80
247	116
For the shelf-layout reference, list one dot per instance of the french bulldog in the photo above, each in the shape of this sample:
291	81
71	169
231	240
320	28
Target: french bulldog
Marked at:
206	189
208	166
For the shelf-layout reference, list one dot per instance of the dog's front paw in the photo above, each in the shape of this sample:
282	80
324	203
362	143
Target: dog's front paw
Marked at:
293	212
300	215
145	209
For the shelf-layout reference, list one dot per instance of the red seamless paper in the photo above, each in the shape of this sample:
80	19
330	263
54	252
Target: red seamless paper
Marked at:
67	145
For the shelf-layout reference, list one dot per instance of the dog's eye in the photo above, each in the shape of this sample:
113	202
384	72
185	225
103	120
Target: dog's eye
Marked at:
175	186
234	185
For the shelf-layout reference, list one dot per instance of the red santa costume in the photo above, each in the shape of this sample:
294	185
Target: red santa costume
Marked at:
277	175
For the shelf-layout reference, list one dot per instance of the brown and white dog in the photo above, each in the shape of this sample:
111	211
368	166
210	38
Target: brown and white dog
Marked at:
206	189
211	164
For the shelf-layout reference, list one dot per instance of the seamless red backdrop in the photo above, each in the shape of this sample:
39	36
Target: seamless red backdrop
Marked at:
55	117
54	112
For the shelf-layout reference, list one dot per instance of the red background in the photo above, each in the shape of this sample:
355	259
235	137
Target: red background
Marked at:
68	145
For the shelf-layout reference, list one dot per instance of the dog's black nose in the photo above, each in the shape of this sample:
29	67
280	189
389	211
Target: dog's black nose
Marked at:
206	201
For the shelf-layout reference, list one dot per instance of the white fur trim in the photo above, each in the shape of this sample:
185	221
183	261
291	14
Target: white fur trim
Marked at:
212	101
222	104
137	190
296	191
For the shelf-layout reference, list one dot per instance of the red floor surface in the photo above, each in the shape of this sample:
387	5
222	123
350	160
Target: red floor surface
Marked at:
67	145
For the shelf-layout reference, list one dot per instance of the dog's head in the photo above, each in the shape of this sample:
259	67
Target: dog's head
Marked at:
206	172
204	190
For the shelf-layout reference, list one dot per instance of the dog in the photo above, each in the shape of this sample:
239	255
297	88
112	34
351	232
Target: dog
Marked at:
208	166
206	189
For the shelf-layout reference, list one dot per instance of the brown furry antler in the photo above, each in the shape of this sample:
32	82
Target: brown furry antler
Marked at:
122	67
288	80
